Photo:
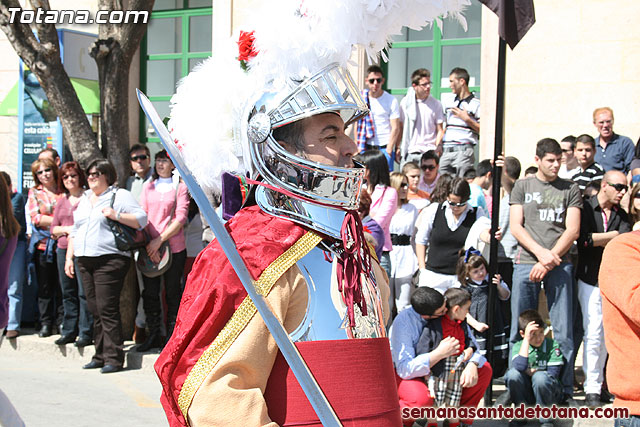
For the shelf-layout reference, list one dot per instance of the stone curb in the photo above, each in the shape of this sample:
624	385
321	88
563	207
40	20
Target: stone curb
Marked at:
30	343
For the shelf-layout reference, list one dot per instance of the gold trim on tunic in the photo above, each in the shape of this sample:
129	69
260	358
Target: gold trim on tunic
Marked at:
240	319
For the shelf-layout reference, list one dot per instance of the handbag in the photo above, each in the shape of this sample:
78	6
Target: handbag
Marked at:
127	238
149	268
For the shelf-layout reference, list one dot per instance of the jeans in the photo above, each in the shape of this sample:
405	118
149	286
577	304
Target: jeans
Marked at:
390	157
558	287
17	280
634	421
76	320
540	388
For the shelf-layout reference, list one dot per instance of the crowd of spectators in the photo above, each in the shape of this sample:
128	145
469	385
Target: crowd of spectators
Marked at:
554	224
66	249
431	231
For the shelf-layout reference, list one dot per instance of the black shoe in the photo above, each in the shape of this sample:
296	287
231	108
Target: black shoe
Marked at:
504	399
93	365
45	331
83	342
107	369
568	402
605	396
153	341
65	339
592	400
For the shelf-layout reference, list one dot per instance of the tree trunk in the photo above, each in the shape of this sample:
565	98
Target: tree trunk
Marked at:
42	56
113	75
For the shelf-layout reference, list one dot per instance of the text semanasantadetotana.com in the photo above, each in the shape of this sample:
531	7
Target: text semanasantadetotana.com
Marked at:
518	412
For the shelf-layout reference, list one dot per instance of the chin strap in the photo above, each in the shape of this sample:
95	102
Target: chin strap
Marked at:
354	261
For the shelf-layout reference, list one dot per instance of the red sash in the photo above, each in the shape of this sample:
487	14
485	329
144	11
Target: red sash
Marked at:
356	376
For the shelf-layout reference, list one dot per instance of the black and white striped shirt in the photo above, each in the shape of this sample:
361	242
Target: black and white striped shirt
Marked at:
595	172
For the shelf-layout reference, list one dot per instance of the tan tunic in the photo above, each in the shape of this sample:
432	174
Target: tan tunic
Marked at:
232	393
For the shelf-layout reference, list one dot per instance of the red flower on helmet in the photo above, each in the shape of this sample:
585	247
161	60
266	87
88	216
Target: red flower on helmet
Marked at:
246	49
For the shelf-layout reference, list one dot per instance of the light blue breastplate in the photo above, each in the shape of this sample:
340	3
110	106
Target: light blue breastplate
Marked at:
326	314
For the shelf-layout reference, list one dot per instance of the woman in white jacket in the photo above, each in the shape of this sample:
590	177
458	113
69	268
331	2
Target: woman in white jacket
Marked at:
404	262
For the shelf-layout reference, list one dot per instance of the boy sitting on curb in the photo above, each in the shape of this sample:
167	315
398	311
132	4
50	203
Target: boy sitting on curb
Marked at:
534	377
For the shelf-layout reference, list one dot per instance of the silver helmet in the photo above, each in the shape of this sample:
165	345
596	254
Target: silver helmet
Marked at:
311	190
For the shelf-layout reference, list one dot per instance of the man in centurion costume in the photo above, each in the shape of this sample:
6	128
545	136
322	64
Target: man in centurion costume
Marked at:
274	114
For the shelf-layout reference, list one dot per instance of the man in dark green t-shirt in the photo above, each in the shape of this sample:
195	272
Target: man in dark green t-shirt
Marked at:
536	366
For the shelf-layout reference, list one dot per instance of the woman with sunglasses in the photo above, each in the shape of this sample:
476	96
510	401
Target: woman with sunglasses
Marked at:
403	258
447	227
101	265
166	201
77	320
384	198
634	207
42	200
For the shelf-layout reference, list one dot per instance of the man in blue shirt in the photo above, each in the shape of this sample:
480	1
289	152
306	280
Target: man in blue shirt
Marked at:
613	151
411	368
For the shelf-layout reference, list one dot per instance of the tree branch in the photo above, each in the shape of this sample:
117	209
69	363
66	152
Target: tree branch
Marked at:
132	33
19	35
46	32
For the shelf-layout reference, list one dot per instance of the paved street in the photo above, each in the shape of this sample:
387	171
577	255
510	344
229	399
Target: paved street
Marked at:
46	384
52	390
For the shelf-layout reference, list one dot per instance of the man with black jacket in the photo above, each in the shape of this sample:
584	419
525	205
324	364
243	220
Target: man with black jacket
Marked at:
602	220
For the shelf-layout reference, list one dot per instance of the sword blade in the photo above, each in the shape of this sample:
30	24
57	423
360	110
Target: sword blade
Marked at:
290	352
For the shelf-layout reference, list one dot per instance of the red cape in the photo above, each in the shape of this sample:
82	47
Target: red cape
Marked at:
212	294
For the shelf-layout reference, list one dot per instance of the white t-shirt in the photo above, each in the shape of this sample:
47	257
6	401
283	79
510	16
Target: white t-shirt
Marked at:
568	174
429	115
383	109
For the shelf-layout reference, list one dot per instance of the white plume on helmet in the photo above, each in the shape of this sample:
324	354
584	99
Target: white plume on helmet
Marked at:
293	39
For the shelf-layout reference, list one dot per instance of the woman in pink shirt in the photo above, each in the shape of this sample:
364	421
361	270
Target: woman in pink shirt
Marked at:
384	198
77	320
166	201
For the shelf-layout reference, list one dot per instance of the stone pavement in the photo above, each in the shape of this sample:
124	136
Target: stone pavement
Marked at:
48	387
44	380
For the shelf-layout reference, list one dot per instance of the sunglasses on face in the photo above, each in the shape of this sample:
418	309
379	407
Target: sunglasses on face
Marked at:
619	187
65	177
43	171
139	158
457	205
376	80
94	175
427	167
